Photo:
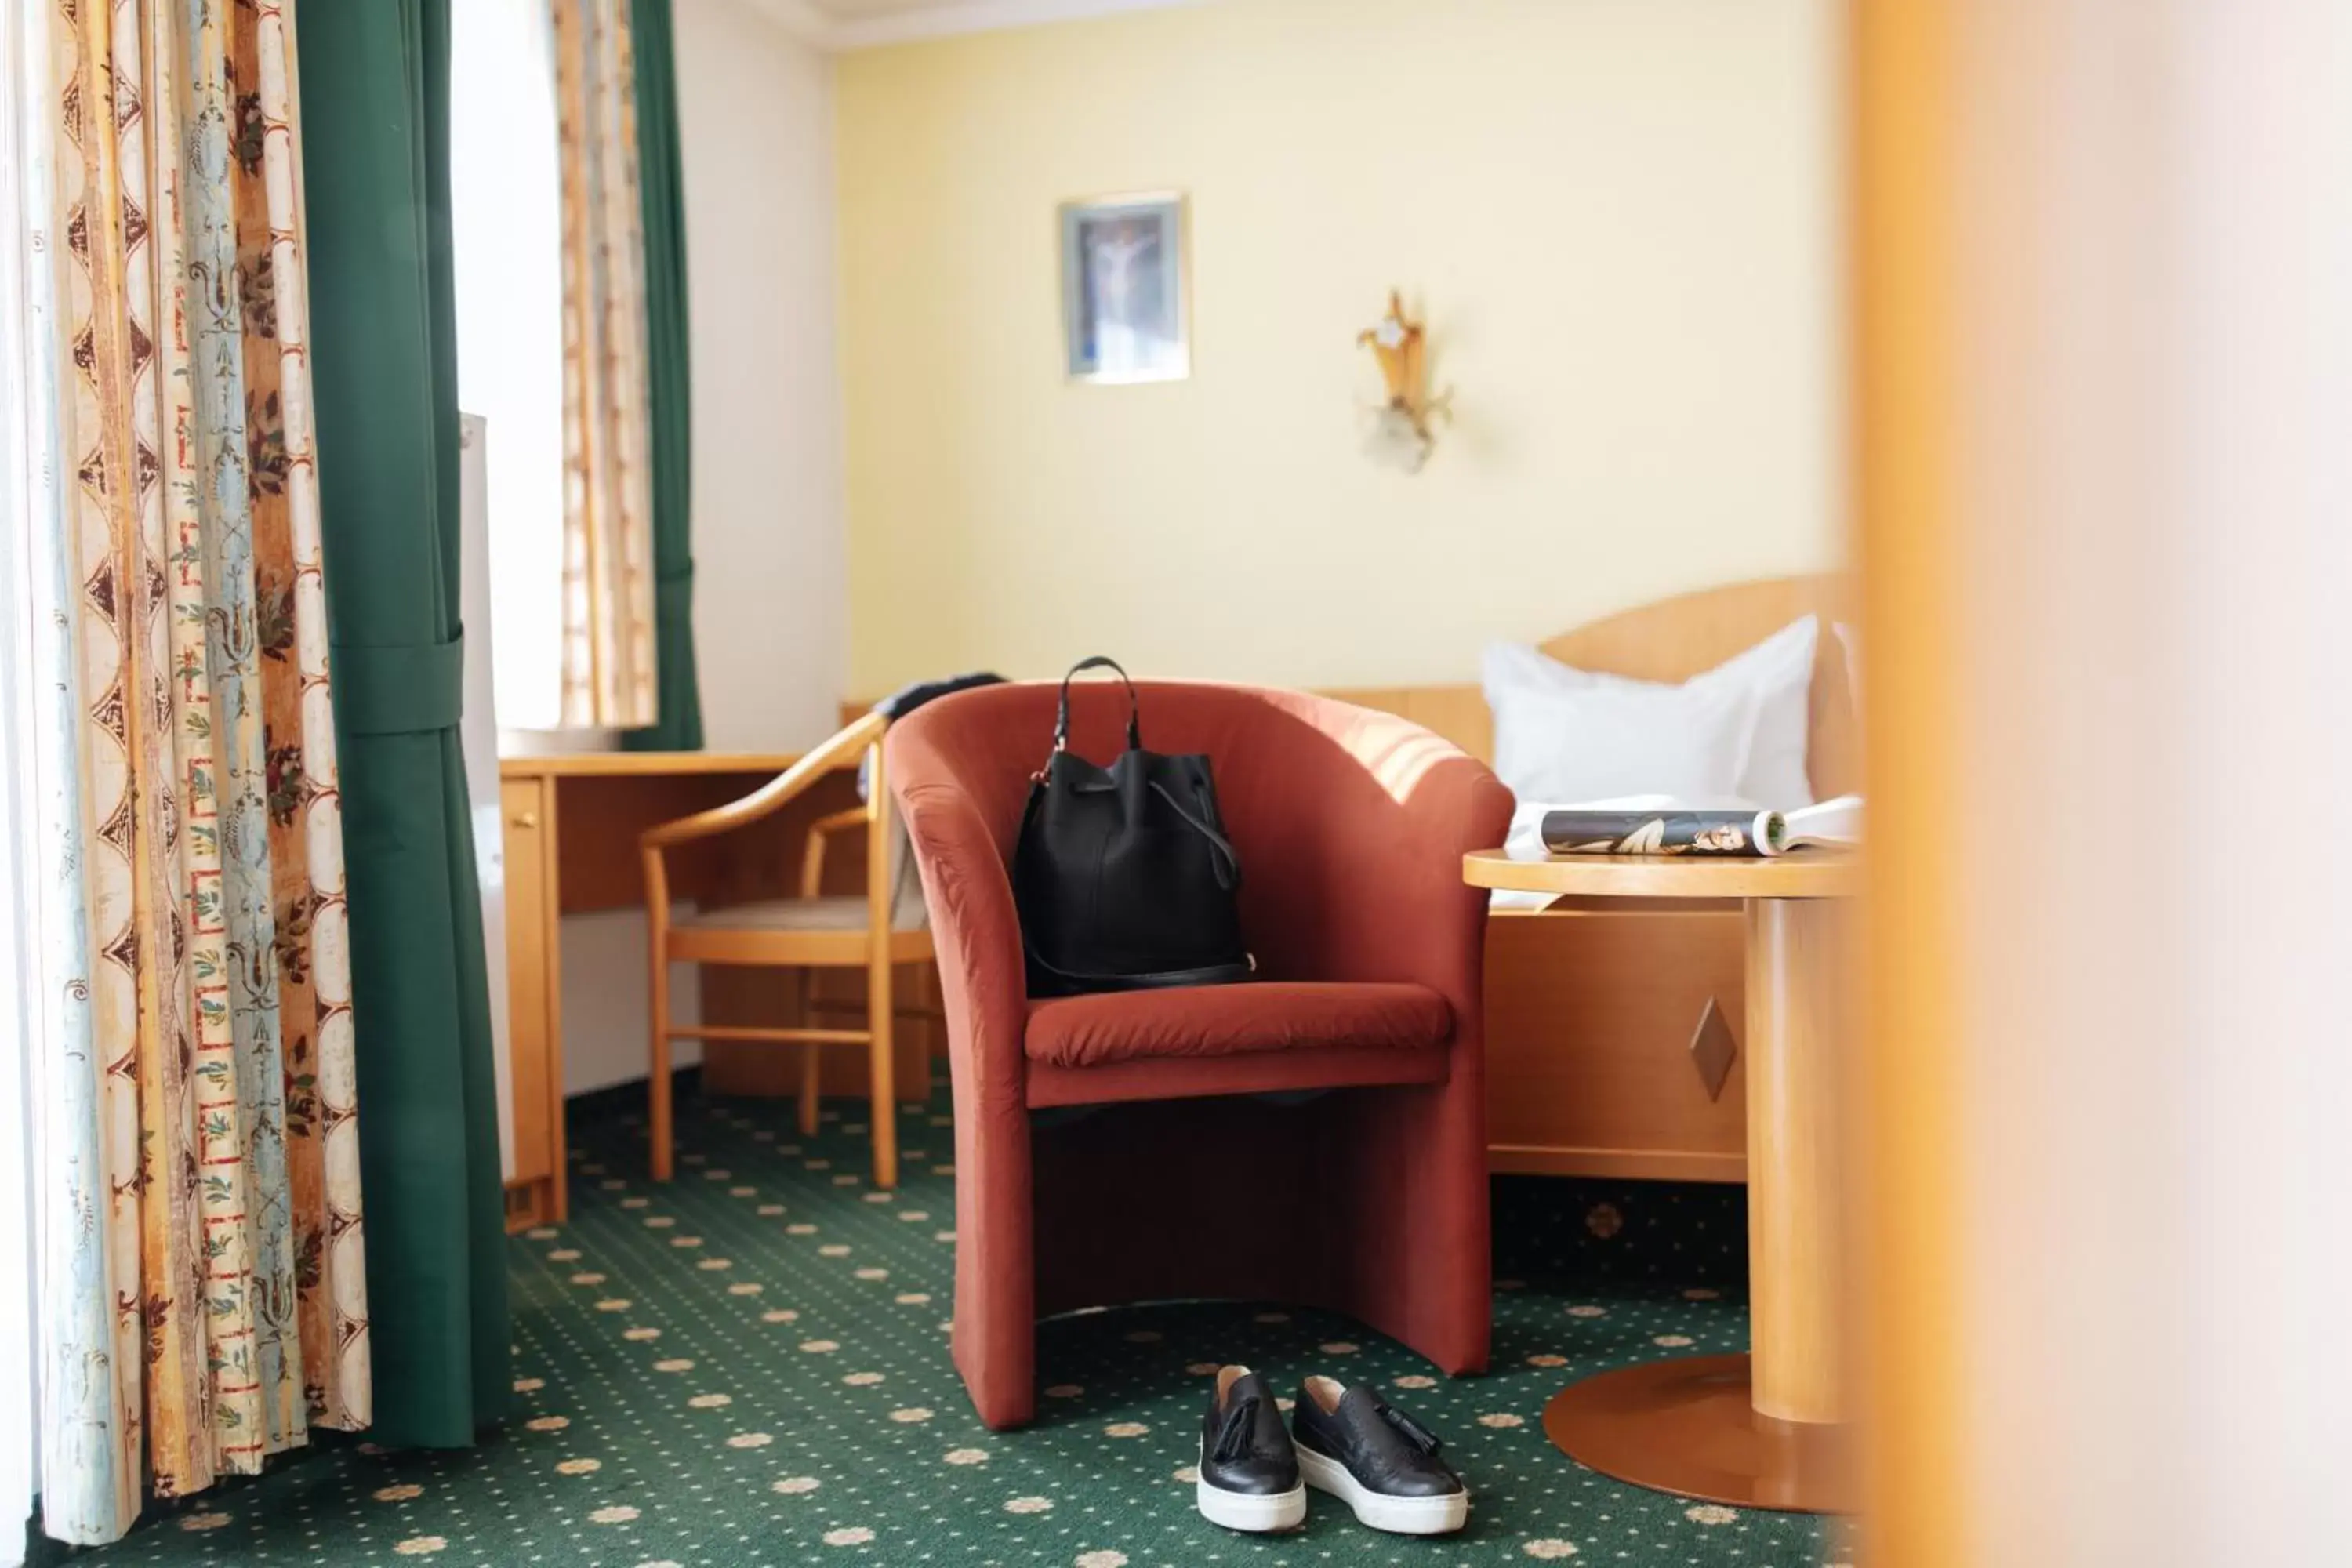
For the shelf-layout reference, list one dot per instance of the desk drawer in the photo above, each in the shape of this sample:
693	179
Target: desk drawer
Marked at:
1590	1018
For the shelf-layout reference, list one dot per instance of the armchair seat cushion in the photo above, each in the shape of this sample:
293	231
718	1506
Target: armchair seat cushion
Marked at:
1112	1026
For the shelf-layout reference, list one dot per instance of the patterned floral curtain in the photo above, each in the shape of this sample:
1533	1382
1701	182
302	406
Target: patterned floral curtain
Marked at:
202	1284
608	564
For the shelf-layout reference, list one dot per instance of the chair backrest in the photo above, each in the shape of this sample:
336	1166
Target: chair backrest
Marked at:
1303	781
1000	736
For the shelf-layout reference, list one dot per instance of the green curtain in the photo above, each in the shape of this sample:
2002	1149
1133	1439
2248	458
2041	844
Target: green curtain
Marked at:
669	400
375	115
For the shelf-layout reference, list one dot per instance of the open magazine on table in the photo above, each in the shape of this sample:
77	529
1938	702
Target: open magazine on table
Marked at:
1664	826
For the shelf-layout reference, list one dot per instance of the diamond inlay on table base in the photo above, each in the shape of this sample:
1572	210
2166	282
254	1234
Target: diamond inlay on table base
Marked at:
1714	1049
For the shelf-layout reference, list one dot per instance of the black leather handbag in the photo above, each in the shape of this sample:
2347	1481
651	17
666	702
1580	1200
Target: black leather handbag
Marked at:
1123	875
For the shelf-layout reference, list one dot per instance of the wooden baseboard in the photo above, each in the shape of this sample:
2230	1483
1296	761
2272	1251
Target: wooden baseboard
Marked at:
529	1204
1638	1164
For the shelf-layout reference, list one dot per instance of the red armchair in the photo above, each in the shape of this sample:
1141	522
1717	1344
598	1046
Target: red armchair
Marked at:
1370	1199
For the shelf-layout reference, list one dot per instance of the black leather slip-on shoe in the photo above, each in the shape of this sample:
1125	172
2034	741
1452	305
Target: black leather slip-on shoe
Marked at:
1377	1459
1249	1472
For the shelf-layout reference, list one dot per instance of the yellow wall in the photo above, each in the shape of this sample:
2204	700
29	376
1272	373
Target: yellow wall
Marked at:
1621	217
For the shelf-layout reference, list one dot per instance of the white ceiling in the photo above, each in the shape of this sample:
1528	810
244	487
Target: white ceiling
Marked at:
862	10
863	24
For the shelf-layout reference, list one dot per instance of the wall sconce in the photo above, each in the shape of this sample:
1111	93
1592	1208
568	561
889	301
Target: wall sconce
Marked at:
1400	426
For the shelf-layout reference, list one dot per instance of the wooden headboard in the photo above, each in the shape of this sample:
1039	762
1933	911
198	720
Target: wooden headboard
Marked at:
1673	640
1670	640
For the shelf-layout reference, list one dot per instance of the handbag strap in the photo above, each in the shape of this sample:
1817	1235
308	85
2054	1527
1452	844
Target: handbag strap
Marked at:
1227	860
1134	709
1221	848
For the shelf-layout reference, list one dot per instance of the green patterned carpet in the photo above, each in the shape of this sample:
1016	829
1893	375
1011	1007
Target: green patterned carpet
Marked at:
749	1366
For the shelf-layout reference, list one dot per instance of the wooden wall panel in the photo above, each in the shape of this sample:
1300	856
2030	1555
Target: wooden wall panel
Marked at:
603	815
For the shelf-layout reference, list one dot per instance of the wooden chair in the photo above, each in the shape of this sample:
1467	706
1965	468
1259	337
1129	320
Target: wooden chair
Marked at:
877	930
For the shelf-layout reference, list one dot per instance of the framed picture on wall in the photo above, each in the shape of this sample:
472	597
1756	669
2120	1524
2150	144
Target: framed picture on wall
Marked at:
1123	283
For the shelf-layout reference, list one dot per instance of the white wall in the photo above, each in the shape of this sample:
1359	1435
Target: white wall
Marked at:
604	1001
1621	217
770	608
770	593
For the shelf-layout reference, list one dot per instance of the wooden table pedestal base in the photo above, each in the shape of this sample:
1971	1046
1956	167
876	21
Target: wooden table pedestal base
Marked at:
1689	1427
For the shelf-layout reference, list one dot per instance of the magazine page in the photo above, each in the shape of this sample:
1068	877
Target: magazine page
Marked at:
1836	821
1705	833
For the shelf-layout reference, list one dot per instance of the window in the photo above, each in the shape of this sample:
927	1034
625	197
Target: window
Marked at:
506	215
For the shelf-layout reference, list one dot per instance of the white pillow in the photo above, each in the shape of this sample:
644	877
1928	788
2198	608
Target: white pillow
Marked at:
1777	675
1556	743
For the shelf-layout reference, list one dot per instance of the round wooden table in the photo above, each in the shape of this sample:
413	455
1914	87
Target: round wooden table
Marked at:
1765	1429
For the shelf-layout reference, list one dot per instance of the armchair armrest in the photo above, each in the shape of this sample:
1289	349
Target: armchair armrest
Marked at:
975	932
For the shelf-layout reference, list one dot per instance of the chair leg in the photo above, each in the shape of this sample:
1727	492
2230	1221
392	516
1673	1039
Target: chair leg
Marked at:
883	1119
811	1072
812	1063
657	1081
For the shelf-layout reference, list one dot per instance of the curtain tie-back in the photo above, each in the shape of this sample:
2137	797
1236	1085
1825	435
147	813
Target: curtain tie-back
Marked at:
402	689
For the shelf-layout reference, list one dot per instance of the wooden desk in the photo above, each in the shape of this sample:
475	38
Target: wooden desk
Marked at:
1760	1430
571	827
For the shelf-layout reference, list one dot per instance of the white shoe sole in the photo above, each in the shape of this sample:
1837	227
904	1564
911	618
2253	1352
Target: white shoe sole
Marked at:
1257	1512
1397	1515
